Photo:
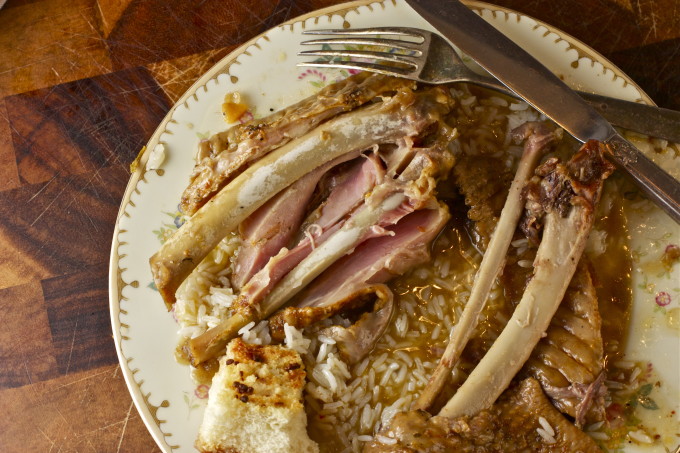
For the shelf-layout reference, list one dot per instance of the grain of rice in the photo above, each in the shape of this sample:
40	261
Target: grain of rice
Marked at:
594	426
634	375
364	438
624	364
546	426
640	436
498	101
404	357
436	331
614	385
549	439
379	361
525	263
598	435
518	106
385	440
361	367
386	376
325	339
519	242
401	375
332	406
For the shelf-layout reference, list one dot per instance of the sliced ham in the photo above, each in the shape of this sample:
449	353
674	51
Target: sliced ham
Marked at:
347	283
275	223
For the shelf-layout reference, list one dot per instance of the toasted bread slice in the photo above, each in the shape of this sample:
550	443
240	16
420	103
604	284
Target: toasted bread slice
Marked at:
255	403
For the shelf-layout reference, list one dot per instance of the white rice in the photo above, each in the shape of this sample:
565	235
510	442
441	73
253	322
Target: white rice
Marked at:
547	437
205	297
546	426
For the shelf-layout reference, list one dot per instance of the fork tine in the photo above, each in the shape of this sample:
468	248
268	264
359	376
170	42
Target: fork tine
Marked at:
360	65
400	31
404	59
379	42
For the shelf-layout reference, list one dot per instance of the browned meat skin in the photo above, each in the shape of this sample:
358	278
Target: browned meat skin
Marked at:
547	192
510	425
226	154
355	341
570	358
485	189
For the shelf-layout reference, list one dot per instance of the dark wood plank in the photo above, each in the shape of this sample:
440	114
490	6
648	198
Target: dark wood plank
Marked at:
77	306
155	30
59	227
9	175
176	76
49	42
84	125
658	76
26	351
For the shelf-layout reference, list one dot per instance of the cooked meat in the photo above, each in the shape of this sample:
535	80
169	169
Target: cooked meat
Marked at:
569	360
255	403
484	183
344	284
226	154
405	114
274	224
568	194
512	424
403	246
392	198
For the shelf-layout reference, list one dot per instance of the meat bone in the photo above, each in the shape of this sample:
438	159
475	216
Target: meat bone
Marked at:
564	238
491	265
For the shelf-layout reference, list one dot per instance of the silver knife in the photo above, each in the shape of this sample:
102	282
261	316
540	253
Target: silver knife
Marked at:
534	83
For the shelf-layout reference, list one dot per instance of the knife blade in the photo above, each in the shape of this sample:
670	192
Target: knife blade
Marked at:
538	86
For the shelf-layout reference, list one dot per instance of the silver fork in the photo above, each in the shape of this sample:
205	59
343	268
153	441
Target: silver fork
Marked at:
426	57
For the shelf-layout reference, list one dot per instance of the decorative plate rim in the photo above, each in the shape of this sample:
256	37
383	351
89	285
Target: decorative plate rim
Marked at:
148	412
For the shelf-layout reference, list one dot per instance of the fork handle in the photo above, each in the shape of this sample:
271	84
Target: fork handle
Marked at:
646	119
660	187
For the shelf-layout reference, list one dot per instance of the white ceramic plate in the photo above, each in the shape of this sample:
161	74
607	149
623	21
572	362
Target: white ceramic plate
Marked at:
264	71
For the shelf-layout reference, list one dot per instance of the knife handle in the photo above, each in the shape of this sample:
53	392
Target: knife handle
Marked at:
660	187
647	119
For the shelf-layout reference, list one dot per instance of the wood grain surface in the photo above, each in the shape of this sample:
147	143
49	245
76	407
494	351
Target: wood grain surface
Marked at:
83	84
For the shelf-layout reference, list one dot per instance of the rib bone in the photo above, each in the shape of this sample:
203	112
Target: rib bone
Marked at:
405	114
491	265
572	190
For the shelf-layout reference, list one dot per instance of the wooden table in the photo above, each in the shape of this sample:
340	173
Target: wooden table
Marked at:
83	84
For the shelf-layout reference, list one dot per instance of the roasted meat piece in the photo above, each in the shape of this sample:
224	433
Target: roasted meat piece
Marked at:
523	419
569	361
